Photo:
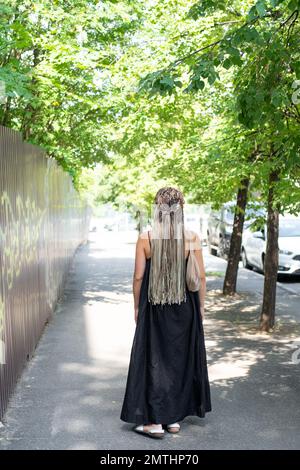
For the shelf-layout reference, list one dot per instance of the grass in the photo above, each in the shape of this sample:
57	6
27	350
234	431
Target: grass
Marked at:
214	273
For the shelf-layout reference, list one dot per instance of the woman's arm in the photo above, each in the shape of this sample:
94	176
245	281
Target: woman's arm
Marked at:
199	257
139	269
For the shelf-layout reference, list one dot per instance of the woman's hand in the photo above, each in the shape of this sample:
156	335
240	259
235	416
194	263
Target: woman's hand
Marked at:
136	312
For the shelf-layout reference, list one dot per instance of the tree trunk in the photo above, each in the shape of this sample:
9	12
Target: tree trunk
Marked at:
267	319
229	287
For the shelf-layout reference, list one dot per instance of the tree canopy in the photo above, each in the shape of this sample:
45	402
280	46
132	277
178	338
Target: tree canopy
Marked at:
199	94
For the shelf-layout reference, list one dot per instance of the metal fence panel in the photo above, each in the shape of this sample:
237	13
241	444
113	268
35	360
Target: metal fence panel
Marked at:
42	222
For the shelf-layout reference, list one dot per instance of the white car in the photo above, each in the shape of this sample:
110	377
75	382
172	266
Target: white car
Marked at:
254	247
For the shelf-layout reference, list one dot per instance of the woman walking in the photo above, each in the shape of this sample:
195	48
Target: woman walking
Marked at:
167	376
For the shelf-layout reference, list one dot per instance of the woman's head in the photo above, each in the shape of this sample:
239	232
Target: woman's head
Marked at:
169	195
168	207
167	273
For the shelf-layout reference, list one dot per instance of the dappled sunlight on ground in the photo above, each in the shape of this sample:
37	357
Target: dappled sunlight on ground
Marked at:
236	347
110	297
238	308
71	394
233	365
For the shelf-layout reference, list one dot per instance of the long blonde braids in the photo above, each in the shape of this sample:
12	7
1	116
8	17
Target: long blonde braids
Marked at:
167	279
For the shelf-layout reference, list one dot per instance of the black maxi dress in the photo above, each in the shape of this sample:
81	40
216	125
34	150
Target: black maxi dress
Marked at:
167	376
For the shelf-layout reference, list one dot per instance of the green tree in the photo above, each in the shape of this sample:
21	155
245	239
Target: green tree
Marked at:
260	45
54	58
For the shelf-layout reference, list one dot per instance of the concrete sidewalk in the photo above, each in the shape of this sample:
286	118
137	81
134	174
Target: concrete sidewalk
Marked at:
70	394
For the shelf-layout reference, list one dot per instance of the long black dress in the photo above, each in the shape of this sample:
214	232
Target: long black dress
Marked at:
167	376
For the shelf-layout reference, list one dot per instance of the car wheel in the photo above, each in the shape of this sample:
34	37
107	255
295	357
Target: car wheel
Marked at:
222	248
210	251
245	263
263	263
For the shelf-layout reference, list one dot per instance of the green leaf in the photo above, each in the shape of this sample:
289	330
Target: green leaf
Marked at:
251	14
261	8
227	63
167	81
276	98
211	78
293	5
296	67
236	60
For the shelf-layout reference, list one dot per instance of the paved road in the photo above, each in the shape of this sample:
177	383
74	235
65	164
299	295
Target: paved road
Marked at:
70	395
289	284
287	292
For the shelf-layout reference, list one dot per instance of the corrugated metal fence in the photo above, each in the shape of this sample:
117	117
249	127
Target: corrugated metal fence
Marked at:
42	222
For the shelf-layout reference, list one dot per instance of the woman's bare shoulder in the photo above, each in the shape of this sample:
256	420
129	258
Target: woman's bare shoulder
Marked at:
143	235
194	238
190	234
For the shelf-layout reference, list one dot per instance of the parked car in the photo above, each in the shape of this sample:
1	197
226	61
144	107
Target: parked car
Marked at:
204	229
220	225
219	229
254	246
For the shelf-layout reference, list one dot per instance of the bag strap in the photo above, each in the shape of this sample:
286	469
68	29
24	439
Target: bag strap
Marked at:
149	238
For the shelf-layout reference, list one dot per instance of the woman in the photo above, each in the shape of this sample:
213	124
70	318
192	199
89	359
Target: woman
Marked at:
167	376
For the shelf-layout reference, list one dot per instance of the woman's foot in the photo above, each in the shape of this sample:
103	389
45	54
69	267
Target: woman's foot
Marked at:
152	430
173	428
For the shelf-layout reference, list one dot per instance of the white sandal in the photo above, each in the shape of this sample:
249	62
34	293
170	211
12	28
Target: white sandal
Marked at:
173	426
154	432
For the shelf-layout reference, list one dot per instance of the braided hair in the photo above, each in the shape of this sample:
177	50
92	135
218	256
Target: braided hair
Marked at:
167	283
